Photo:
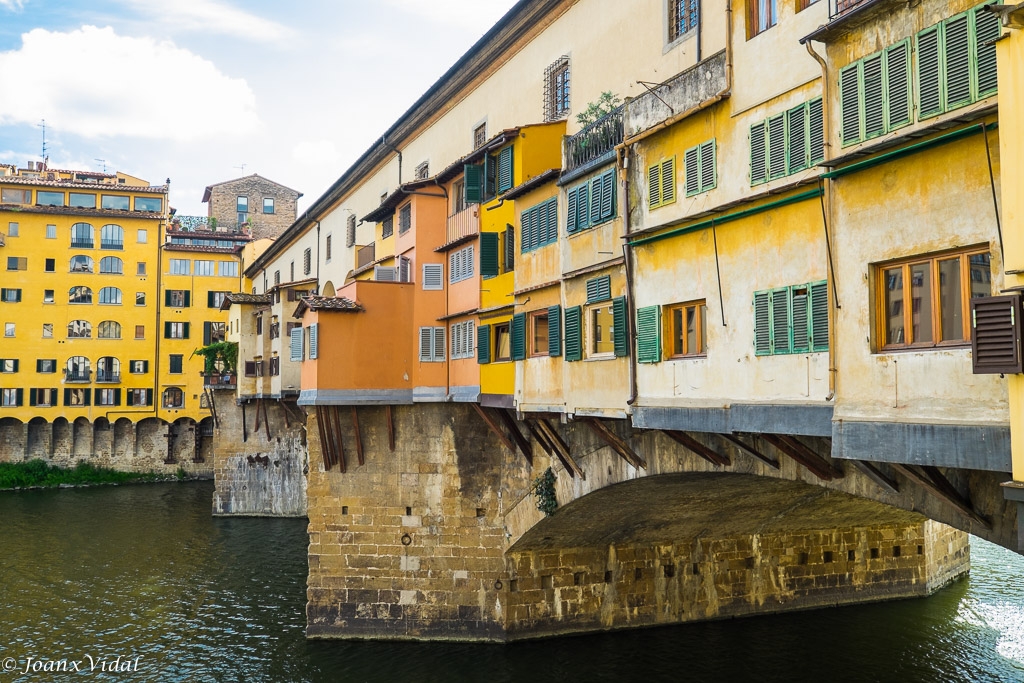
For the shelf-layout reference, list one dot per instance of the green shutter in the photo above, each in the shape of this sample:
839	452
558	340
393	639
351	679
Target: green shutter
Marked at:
758	161
801	322
185	330
781	322
518	332
596	198
762	323
19	397
167	298
957	56
708	168
819	315
31	397
167	330
573	334
505	174
777	146
554	330
188	299
117	397
67	397
551	208
483	344
849	103
209	299
796	123
488	254
583	207
648	334
668	181
207	333
691	169
986	30
620	324
654	186
607	181
897	86
88	397
874	96
929	74
510	248
816	131
474	183
599	289
524	226
571	222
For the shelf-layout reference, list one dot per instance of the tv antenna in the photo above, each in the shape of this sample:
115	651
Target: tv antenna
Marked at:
242	167
43	126
103	162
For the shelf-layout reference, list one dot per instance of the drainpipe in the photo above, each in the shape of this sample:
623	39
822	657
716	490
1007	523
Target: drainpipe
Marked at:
826	210
318	257
627	257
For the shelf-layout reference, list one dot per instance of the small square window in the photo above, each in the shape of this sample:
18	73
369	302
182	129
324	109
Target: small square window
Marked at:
539	333
51	265
51	232
8	329
479	136
556	90
140	268
140	331
12	229
143	237
601	332
685	328
47	296
502	342
140	298
242	205
47	330
268	205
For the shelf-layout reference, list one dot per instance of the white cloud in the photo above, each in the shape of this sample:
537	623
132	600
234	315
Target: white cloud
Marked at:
12	4
95	83
212	17
474	15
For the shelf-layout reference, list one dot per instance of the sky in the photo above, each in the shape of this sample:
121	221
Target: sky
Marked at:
203	91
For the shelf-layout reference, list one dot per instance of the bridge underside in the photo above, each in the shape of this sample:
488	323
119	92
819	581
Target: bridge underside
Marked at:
688	547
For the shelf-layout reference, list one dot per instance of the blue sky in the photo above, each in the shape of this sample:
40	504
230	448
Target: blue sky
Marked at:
192	90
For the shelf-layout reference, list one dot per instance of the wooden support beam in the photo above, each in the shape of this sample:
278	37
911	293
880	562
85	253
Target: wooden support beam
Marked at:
539	437
750	450
359	438
616	443
266	420
335	436
684	439
213	406
561	449
245	431
284	410
325	448
932	480
256	426
876	475
796	450
517	436
494	427
391	427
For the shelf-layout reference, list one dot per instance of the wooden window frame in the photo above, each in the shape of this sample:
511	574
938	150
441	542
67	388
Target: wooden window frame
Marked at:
532	319
754	15
497	330
670	332
879	313
589	330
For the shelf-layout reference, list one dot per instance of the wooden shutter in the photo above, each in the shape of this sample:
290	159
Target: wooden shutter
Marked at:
762	323
819	315
758	161
518	332
897	85
510	248
816	132
554	330
67	397
599	289
456	339
167	330
296	345
800	297
130	398
474	183
648	334
185	330
404	269
433	276
426	339
654	186
957	54
551	208
250	368
929	74
582	207
596	199
117	397
573	334
438	343
996	335
849	103
188	299
668	181
87	395
483	344
505	169
608	189
796	123
32	397
781	327
708	172
691	169
777	146
571	222
620	332
209	299
314	341
207	333
167	298
986	30
874	97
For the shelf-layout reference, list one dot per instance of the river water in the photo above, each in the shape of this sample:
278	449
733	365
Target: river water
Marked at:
145	572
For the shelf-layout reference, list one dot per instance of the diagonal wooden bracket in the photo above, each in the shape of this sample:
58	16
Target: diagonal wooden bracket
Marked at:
517	436
359	437
798	451
876	475
489	420
540	437
931	479
750	450
690	443
616	443
561	449
391	427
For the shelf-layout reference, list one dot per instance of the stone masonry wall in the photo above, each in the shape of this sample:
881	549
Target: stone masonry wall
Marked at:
224	197
254	475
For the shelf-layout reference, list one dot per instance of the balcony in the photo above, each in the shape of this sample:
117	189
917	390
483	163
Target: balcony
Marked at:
81	244
366	255
217	380
77	376
111	244
107	377
595	144
463	223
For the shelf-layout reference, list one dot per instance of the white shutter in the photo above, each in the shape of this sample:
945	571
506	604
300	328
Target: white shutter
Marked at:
433	276
384	274
456	339
426	339
453	267
469	340
314	331
296	345
470	262
438	343
404	269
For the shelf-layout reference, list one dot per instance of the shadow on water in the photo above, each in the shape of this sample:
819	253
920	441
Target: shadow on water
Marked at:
145	571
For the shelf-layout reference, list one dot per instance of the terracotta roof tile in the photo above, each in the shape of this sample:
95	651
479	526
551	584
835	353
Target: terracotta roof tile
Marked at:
326	303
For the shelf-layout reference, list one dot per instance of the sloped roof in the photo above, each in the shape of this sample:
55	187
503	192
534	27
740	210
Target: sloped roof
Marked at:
206	192
244	299
326	303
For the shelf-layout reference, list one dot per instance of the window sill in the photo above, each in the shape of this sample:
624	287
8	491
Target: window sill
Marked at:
600	357
692	356
946	346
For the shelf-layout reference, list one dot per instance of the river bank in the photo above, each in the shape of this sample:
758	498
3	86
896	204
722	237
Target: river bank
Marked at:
37	474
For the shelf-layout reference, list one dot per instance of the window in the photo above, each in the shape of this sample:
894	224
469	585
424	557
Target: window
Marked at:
8	329
791	319
77	369
175	364
80	295
956	62
173	397
47	296
215	299
82	236
140	268
152	204
110	295
556	89
46	366
17	263
113	265
801	5
47	330
938	289
686	329
600	335
502	342
387	227
140	397
539	333
327	248
140	331
591	203
51	232
539	225
49	198
480	136
114	202
761	16
699	167
77	397
682	17
463	340
108	329
142	237
138	367
11	398
422	171
431	344
275	365
80	264
350	232
404	219
81	200
307	261
108	397
79	329
9	365
13	230
874	94
295	336
179	266
277	277
242	205
11	196
174	330
259	324
460	264
108	369
291	271
433	276
44	398
661	183
268	205
10	296
111	237
214	332
203	268
140	298
786	143
50	265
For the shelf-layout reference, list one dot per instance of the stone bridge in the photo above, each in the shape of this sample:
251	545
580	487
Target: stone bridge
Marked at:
425	525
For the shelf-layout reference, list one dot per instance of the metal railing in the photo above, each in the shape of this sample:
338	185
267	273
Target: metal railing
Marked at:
594	141
464	223
218	380
108	377
366	255
77	376
81	244
838	8
111	244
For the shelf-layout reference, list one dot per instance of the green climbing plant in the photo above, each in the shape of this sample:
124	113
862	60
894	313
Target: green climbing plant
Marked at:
604	105
226	352
544	489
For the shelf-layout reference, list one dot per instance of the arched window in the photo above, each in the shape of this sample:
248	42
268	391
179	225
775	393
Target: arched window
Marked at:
111	237
81	264
79	329
81	236
80	295
173	398
108	329
110	295
111	265
77	369
108	369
